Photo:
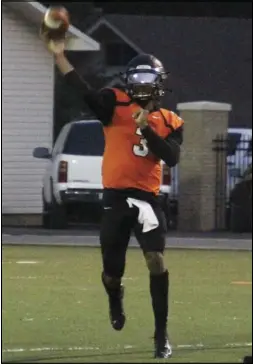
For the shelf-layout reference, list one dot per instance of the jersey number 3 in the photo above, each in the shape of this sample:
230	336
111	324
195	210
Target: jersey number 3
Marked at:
140	150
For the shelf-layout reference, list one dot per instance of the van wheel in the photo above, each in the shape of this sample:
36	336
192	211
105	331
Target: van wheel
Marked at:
57	216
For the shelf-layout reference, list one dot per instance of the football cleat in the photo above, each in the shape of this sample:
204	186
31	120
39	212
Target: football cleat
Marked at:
163	348
117	315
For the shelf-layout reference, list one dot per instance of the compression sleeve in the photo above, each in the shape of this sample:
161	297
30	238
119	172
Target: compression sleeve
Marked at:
167	149
101	103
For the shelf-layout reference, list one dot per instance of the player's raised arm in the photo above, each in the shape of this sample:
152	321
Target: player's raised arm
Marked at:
63	64
101	103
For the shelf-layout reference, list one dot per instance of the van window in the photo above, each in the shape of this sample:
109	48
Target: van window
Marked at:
233	141
85	139
250	147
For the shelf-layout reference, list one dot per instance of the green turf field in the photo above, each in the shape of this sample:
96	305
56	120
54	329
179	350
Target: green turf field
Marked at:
54	308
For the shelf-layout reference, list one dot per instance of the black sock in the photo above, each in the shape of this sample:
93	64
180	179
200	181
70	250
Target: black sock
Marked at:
159	290
114	290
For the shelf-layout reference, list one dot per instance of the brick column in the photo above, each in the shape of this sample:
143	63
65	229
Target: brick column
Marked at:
197	168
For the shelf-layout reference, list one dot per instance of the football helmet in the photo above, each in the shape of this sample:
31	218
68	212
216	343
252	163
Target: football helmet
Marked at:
144	77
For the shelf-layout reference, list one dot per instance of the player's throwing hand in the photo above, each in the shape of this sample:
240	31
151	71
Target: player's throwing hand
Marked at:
54	46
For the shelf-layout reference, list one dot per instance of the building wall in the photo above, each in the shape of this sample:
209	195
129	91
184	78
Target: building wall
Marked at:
27	113
209	59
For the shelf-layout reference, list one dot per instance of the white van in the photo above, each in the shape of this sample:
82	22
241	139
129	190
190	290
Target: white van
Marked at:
73	174
239	155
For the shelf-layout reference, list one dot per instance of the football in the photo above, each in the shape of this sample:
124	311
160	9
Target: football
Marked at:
55	23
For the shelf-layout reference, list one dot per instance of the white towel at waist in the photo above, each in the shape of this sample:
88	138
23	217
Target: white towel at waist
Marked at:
146	216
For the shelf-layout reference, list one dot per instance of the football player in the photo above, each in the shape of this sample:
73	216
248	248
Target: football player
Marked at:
139	134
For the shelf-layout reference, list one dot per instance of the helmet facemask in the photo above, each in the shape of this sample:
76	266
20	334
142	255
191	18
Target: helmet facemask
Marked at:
144	84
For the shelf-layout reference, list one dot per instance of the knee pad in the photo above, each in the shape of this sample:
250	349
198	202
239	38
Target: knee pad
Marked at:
110	282
155	262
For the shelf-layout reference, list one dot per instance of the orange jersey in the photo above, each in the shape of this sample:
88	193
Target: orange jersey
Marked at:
127	162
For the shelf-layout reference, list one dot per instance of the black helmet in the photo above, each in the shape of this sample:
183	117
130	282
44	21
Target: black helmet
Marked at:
144	77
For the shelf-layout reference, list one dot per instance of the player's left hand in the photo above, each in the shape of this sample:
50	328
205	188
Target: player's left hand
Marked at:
141	118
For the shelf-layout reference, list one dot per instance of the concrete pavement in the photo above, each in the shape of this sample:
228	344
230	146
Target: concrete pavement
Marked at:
85	237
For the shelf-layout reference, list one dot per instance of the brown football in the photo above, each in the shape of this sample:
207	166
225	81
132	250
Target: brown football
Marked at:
56	22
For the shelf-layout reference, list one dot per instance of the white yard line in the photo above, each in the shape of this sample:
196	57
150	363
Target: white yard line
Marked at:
27	262
79	348
23	277
32	319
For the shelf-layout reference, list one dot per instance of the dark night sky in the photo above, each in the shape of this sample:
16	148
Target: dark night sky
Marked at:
237	9
216	9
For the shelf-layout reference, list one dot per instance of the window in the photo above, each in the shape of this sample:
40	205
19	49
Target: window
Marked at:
233	141
85	139
118	54
250	147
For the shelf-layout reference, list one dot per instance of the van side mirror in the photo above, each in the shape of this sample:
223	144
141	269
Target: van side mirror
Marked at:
41	153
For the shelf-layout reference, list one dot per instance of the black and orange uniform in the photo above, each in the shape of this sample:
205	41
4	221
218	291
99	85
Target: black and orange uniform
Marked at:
131	162
127	161
131	165
132	169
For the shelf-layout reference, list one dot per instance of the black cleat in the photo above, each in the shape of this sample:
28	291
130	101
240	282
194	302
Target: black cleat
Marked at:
163	348
117	315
